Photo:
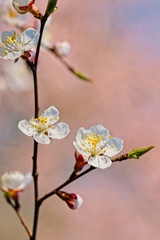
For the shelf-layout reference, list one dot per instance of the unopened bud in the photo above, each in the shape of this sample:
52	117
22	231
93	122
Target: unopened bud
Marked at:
136	153
62	49
24	6
80	162
73	200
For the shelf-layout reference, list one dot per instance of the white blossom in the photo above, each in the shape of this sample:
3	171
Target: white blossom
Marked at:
14	45
45	127
97	146
62	49
15	181
18	76
10	16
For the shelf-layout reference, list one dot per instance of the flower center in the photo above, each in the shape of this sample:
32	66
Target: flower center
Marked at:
42	124
12	44
93	144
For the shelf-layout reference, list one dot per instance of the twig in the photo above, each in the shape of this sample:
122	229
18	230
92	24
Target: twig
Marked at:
71	179
20	217
35	150
69	67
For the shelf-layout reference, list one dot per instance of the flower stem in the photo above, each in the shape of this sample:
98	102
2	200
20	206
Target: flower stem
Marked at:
64	184
35	151
20	217
73	177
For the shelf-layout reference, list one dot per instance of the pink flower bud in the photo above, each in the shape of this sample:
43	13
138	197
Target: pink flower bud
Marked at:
80	162
73	200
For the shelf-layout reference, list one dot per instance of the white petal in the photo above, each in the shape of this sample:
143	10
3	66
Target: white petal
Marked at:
100	161
13	55
51	112
117	146
100	130
28	178
26	128
2	52
81	150
61	130
21	2
30	38
41	138
81	134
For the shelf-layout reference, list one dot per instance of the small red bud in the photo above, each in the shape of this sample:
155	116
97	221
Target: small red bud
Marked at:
73	200
80	162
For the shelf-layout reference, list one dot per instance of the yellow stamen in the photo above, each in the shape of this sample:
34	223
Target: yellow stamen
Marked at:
112	146
6	51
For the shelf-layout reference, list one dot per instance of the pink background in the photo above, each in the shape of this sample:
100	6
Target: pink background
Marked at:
116	43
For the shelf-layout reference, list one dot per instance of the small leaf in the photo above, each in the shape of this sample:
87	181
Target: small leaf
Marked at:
81	76
51	7
136	153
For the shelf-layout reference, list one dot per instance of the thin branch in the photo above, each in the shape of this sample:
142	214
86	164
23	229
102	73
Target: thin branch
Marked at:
33	67
75	177
69	67
20	217
64	184
23	223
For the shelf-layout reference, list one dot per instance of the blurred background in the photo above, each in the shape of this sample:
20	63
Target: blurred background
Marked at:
117	44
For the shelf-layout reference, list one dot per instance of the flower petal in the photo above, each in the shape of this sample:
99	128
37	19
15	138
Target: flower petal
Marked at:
61	130
51	112
114	146
100	130
41	138
30	38
100	161
26	128
28	178
82	151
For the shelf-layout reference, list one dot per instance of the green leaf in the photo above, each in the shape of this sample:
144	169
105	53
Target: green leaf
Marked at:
82	76
136	153
51	7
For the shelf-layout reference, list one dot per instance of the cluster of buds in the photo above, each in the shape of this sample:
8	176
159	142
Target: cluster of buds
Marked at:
24	6
73	200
